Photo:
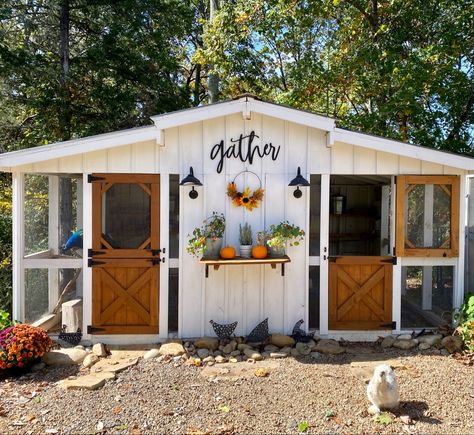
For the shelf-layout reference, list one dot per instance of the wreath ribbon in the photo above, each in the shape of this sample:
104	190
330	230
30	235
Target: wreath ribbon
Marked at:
246	198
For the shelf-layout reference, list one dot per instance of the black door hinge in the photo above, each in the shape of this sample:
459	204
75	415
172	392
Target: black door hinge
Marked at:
155	252
392	260
91	262
92	329
392	325
91	178
91	252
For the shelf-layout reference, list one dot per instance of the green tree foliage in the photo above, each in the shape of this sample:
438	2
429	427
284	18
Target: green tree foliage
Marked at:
5	242
398	68
120	64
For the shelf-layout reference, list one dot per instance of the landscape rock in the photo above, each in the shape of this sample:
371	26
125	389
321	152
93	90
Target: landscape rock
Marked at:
311	344
303	348
278	355
173	349
452	343
217	353
90	360
203	353
329	347
388	341
211	343
404	344
89	382
286	349
228	348
271	348
424	346
253	354
220	359
294	353
316	355
235	353
152	353
99	350
281	340
64	357
243	346
120	367
38	367
208	359
233	360
432	340
404	337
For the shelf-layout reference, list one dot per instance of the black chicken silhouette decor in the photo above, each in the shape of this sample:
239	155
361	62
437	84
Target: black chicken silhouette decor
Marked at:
223	331
259	333
299	335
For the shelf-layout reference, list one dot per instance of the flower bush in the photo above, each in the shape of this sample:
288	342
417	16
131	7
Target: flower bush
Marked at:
21	345
284	233
212	228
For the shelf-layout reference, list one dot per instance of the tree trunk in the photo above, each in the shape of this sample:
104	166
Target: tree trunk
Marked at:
213	80
197	86
65	115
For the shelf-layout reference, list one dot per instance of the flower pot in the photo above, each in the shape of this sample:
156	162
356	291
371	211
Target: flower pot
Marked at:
213	247
245	251
276	251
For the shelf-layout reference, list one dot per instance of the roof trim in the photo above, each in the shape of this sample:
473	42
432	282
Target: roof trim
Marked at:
403	149
246	105
77	146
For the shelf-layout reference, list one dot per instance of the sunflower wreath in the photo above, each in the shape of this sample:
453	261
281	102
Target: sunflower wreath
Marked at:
246	198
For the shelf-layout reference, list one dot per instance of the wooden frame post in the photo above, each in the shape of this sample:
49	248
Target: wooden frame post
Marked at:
53	239
164	245
18	240
324	257
87	243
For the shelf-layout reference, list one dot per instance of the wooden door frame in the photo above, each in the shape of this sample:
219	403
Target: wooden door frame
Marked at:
124	258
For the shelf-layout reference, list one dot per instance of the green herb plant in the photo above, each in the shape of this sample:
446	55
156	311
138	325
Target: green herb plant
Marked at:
245	234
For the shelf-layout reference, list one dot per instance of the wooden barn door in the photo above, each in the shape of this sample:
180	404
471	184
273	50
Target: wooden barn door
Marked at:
125	254
360	293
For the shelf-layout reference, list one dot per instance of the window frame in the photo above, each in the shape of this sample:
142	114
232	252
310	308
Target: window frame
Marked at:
402	181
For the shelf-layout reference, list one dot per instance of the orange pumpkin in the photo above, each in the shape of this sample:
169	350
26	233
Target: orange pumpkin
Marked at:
228	252
259	251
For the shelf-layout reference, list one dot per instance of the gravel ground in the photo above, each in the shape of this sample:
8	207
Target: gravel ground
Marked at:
437	395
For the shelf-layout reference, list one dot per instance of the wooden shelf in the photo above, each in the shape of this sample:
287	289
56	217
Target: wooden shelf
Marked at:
272	261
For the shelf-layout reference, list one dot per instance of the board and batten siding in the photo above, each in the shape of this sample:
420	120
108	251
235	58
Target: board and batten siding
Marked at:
247	294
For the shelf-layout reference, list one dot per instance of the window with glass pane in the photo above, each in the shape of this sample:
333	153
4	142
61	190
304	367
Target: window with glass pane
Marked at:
427	296
173	299
314	215
314	297
174	216
427	216
127	215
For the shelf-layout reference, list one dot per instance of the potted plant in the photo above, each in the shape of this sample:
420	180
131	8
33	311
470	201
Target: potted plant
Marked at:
281	235
207	239
245	240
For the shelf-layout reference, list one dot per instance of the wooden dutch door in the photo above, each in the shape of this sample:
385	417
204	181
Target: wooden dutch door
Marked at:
125	254
360	294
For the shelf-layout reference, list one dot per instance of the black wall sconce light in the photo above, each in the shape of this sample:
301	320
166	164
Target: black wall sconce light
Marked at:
191	180
299	181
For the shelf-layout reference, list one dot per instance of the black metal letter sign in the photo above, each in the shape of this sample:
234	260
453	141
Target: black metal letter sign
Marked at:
242	149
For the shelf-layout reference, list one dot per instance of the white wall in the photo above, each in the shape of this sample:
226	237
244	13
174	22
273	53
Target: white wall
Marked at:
247	294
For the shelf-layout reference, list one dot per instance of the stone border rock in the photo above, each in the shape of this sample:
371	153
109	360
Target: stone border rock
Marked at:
97	367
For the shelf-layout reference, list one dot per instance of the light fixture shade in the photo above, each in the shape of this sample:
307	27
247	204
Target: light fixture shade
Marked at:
190	179
299	180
